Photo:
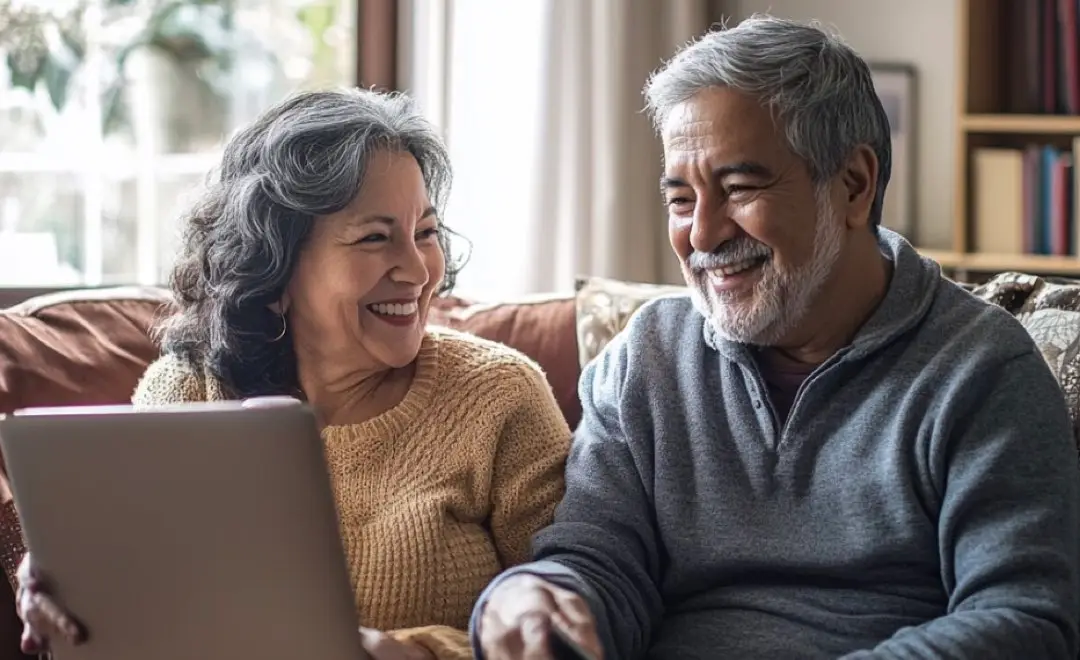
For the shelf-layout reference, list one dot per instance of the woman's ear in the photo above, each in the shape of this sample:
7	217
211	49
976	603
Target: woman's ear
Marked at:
281	306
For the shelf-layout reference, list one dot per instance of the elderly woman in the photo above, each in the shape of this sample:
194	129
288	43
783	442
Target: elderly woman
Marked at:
307	270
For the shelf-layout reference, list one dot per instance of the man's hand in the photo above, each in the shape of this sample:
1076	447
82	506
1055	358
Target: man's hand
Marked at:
517	621
384	647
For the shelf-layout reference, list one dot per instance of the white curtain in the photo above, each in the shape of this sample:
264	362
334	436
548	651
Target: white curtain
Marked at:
556	167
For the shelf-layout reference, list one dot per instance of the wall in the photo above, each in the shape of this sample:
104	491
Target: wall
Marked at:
917	32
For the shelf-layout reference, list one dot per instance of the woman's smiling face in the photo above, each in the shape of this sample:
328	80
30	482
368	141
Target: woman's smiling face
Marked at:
364	280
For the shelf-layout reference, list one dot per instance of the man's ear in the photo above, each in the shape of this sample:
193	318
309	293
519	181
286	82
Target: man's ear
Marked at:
859	179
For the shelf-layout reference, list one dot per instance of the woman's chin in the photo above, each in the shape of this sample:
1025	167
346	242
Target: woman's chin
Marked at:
402	353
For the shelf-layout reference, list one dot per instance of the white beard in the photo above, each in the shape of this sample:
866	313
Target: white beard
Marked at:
780	299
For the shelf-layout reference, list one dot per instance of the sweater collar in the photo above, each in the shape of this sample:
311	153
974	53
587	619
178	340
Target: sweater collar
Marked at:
909	296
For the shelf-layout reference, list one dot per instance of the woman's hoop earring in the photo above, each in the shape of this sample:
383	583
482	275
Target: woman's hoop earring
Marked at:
284	329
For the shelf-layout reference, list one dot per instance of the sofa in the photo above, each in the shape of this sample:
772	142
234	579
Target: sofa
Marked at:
91	346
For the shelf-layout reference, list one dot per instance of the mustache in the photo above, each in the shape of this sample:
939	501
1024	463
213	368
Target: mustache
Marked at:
734	251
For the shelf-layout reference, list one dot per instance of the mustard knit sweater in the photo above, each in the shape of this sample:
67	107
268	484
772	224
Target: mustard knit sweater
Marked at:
437	495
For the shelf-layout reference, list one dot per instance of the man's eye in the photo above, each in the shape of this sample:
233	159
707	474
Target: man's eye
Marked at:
678	201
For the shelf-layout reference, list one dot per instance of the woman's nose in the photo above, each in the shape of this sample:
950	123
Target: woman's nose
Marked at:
411	267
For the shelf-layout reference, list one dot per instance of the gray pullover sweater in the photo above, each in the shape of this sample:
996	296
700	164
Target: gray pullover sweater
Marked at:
921	501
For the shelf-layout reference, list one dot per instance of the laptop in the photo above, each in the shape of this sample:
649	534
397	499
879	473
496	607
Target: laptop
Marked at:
202	531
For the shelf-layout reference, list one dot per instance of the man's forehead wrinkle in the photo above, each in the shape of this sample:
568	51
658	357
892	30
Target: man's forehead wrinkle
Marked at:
693	127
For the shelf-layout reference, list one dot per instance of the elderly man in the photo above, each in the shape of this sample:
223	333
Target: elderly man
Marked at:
827	450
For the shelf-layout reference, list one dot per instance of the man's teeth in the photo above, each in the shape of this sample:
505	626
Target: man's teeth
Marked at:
732	269
394	309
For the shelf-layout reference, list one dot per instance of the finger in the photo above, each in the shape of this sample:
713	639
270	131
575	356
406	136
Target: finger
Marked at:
515	622
49	620
270	402
571	605
26	572
24	600
384	647
584	636
371	639
535	629
31	644
379	645
417	652
497	640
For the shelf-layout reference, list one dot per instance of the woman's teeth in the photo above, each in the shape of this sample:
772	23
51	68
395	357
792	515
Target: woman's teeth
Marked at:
394	309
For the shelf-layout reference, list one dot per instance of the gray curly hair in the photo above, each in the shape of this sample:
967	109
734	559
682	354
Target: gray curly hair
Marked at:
301	159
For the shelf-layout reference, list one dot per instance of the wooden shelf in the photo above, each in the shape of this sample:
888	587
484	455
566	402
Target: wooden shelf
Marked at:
1028	263
989	56
947	258
994	263
1025	124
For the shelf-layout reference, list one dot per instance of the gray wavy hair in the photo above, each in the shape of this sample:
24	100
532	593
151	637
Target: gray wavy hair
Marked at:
301	159
814	83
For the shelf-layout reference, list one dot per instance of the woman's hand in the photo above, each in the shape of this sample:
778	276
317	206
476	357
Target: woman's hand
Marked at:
384	647
43	620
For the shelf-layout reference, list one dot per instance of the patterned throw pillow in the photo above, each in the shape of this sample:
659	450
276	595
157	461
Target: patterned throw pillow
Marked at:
1050	310
605	306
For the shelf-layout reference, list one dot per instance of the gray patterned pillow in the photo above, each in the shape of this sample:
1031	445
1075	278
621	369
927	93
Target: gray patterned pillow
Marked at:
1050	310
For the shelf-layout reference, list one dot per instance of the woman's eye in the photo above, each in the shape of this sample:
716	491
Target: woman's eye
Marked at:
428	233
372	238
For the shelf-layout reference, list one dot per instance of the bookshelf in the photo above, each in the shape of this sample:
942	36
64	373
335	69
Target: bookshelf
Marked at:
1018	124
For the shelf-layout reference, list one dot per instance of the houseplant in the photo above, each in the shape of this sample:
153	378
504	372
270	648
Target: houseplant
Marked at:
45	43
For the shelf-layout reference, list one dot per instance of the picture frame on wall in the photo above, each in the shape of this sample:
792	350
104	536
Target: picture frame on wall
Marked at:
895	84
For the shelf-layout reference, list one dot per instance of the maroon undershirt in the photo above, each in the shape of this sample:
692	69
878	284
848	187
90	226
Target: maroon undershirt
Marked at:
783	377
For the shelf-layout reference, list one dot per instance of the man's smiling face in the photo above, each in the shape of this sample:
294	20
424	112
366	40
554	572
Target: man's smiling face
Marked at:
757	240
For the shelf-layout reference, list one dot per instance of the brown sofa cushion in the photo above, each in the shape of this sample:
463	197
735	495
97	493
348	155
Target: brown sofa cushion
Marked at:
90	347
541	327
81	347
78	347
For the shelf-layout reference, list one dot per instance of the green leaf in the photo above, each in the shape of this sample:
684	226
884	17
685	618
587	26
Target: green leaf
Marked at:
316	18
57	73
58	68
112	106
22	76
193	31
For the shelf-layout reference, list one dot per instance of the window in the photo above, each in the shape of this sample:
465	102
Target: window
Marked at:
113	111
476	72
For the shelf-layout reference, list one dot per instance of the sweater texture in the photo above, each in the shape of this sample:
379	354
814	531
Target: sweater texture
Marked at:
921	500
437	495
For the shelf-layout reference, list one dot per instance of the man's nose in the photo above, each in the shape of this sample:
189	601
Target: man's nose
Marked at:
712	226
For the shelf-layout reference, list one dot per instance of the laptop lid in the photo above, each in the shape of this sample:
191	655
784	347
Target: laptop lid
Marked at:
196	531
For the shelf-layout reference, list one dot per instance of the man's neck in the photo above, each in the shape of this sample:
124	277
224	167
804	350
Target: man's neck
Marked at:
856	287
